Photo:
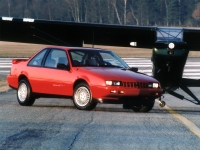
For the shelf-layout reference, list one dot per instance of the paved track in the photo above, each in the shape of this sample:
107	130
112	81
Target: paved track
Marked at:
57	124
192	67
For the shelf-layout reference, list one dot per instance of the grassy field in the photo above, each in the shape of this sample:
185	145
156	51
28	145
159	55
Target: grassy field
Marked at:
12	49
3	85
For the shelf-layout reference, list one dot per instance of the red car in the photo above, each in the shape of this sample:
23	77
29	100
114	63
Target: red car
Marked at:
87	75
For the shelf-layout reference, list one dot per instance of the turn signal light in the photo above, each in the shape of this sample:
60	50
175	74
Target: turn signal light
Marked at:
121	92
113	91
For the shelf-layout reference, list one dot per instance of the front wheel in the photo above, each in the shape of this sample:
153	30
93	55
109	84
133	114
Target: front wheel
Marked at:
82	97
144	107
24	94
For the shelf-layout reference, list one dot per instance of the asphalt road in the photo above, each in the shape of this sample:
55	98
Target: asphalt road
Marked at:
56	124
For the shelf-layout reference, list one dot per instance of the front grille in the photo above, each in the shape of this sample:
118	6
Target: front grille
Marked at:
138	85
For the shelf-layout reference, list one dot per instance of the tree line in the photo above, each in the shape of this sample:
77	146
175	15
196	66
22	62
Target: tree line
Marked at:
124	12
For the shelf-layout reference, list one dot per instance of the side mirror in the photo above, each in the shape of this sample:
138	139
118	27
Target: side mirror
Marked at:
63	66
134	69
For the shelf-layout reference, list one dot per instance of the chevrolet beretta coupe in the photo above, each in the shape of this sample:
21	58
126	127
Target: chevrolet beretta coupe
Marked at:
86	75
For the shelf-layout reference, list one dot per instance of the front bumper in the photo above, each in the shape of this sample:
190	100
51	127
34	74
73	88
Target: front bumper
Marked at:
112	93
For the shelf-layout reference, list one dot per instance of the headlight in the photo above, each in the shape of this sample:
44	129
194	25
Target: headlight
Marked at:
114	83
153	85
171	45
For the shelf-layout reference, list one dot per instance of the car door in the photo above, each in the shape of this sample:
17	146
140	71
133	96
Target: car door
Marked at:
51	79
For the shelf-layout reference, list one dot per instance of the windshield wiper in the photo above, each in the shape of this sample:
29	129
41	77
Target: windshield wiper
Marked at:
114	66
134	69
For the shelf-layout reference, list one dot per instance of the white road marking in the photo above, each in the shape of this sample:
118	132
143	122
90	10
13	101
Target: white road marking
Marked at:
4	71
144	65
5	66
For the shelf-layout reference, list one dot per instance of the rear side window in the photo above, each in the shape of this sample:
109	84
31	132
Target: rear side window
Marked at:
37	60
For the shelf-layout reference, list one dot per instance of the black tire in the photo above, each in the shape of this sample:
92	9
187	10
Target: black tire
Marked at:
82	97
24	94
145	107
162	104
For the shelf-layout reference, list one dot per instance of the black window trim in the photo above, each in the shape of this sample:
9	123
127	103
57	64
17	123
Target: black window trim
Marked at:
45	57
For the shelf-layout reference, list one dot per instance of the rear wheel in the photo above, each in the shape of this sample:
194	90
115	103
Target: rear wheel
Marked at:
144	107
24	94
82	97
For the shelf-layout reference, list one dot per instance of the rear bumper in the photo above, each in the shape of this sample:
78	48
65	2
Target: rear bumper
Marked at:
12	81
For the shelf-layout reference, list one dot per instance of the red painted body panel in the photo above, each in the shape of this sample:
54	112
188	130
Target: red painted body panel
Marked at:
61	82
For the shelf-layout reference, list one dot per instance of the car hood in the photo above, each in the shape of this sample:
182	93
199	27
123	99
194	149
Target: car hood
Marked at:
118	74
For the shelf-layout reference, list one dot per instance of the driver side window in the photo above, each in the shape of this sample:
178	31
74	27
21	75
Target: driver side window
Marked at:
56	57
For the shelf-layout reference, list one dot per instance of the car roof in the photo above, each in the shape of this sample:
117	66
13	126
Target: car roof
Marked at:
76	48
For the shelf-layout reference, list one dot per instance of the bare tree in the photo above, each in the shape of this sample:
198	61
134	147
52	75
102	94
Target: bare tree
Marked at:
179	12
8	2
138	12
196	13
108	10
49	11
133	14
100	14
74	7
125	1
26	11
167	12
86	11
116	11
35	4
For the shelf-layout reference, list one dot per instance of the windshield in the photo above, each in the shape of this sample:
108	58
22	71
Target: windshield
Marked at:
169	34
96	58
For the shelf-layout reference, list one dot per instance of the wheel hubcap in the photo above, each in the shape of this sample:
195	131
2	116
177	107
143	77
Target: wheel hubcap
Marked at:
82	96
22	92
